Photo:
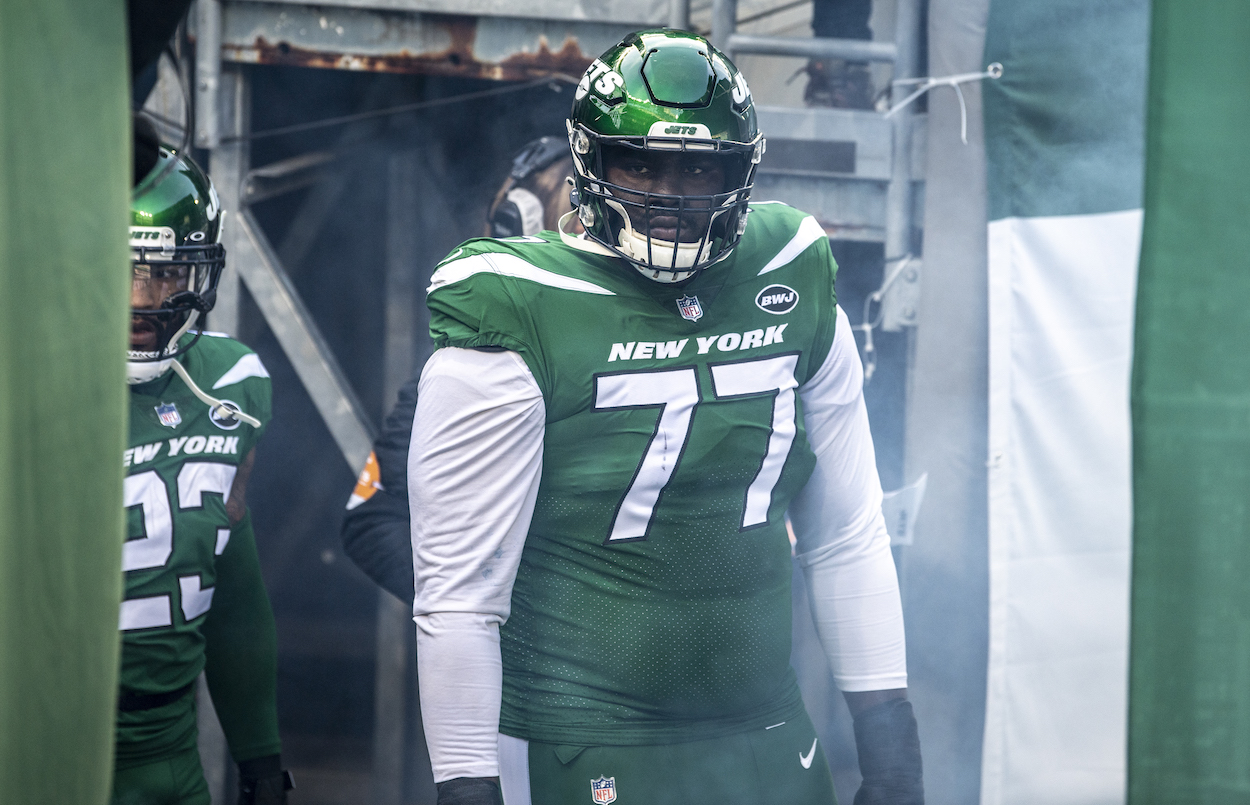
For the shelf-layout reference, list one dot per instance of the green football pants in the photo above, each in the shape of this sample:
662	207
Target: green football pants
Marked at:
780	765
175	780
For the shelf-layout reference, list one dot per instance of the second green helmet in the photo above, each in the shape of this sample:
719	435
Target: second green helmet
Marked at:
664	91
176	259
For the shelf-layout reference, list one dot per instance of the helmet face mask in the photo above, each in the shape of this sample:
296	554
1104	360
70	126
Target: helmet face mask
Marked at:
671	237
664	94
174	289
176	261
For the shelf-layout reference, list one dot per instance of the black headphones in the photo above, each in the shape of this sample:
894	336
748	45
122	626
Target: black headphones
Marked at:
520	212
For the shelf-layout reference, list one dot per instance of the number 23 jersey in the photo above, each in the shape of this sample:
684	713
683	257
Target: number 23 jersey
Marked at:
652	601
180	466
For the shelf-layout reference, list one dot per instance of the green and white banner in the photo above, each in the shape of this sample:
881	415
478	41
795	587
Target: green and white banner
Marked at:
1064	143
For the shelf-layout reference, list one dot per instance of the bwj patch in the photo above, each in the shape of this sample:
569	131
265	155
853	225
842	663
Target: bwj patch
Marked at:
603	790
168	414
224	417
777	299
690	308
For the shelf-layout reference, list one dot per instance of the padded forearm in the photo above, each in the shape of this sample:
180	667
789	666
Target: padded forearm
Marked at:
460	676
241	650
858	615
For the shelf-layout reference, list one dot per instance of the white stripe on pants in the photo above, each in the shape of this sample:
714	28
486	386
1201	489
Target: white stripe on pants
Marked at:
514	770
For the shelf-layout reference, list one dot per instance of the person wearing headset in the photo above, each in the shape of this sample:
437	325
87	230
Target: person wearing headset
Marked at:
376	533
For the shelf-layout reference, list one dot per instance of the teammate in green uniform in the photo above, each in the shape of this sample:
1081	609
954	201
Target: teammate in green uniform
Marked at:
194	598
605	449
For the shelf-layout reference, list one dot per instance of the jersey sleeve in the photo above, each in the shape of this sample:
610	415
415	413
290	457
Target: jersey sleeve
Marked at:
818	259
261	395
473	471
471	306
842	542
241	657
475	303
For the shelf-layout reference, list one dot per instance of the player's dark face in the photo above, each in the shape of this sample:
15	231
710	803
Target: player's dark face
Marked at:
679	173
150	285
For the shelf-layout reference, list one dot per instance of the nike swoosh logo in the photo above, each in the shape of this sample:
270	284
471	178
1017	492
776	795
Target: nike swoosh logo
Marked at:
806	760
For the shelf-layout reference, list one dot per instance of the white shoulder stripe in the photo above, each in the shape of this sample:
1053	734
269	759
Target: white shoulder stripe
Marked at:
509	265
809	232
248	366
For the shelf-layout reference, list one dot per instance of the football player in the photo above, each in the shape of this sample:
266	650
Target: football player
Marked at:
606	445
194	597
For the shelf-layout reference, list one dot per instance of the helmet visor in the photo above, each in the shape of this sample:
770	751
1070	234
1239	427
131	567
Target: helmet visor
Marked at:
153	282
167	287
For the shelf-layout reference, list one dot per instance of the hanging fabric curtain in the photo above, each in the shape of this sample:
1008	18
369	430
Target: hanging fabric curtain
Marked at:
1064	139
64	282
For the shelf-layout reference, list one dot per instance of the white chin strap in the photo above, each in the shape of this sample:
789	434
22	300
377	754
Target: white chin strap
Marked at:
652	252
140	368
223	410
661	251
141	371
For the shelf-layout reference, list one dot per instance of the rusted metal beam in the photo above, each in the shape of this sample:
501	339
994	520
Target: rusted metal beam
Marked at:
456	61
635	13
400	41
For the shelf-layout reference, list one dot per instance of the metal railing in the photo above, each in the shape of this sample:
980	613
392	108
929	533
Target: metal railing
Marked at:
902	52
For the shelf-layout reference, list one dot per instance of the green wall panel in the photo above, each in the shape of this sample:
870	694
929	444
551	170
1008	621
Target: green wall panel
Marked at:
1190	677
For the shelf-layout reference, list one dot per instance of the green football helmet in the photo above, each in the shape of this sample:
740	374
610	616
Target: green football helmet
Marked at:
664	91
176	260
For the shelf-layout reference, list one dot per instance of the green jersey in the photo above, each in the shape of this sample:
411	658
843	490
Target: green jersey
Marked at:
652	601
180	466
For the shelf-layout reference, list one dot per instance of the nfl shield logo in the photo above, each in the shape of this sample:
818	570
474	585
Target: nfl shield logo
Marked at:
603	790
690	308
169	416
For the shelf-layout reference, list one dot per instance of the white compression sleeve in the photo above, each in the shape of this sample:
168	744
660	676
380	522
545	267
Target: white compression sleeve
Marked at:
474	464
842	541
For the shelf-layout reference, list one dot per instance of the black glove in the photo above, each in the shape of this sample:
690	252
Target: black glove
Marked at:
469	791
889	755
263	782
